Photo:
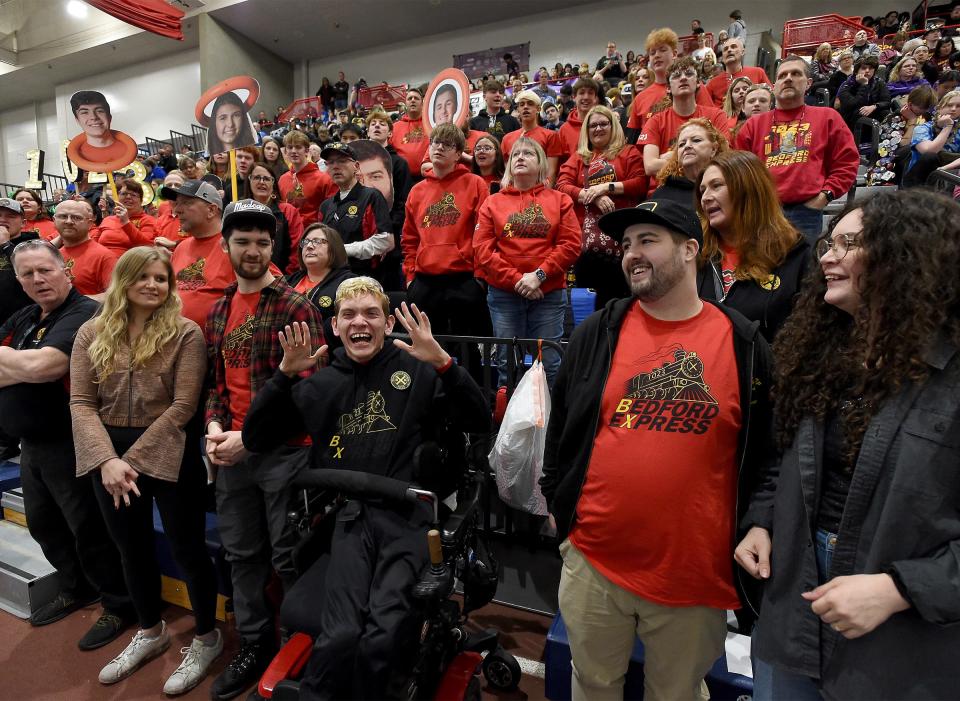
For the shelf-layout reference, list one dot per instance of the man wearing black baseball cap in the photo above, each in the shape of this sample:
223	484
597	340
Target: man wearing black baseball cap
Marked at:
359	213
680	388
252	490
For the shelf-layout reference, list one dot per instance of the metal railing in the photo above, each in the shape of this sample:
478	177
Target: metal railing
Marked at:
944	181
199	137
498	520
180	140
154	145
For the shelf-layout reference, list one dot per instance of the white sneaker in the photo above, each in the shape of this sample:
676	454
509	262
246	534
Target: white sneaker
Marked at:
140	650
196	661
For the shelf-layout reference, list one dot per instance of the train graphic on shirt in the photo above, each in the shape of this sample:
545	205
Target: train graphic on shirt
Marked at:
671	397
680	379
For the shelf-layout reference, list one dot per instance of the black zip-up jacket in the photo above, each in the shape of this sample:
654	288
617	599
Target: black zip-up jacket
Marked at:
575	411
368	417
770	304
322	296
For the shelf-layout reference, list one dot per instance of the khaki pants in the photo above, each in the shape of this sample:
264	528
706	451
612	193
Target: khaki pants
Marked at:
603	620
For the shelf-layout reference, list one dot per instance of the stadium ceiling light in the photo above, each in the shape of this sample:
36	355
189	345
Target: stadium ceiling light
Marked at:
78	9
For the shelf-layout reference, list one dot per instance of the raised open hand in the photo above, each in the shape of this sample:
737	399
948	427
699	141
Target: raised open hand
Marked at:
424	346
296	344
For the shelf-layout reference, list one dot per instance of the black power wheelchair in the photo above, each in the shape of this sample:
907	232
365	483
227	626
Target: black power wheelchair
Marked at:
450	659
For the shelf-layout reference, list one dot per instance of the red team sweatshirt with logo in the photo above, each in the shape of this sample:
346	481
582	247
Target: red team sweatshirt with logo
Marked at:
518	232
441	214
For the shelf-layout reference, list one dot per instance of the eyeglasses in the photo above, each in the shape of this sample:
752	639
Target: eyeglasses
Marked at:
312	243
840	245
69	217
599	126
261	178
689	73
483	149
442	147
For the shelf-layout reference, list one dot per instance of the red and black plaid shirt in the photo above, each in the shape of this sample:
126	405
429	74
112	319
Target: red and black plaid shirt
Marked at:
279	306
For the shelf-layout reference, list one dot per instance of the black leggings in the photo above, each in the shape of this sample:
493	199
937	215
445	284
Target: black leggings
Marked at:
181	506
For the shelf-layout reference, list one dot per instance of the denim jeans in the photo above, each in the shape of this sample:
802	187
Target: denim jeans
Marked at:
809	221
773	684
516	317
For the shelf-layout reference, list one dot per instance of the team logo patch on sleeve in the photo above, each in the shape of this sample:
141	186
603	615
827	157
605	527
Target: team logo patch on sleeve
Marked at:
352	210
325	301
400	380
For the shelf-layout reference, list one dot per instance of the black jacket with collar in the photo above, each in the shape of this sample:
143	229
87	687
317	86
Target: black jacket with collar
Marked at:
575	409
771	304
901	517
368	417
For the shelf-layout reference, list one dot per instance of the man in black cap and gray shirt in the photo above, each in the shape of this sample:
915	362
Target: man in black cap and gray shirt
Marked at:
359	213
679	386
62	513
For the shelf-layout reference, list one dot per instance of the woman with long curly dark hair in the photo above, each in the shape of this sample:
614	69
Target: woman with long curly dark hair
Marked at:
862	592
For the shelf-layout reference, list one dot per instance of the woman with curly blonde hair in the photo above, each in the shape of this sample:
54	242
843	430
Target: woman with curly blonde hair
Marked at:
136	373
698	142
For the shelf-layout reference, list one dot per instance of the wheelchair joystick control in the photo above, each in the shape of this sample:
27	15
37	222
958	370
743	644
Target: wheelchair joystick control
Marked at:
436	549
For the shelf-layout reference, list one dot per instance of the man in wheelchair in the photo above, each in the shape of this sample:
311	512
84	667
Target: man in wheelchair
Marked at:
368	410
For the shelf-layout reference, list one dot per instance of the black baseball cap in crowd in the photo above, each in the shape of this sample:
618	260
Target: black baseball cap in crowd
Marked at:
660	211
250	213
338	147
200	189
11	204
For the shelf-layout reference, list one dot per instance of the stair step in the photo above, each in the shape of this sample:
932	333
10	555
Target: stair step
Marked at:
27	580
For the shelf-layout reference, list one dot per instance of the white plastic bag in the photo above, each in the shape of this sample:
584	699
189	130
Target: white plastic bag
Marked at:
517	455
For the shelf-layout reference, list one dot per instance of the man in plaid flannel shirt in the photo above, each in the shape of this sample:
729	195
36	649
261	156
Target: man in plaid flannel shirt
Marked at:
252	489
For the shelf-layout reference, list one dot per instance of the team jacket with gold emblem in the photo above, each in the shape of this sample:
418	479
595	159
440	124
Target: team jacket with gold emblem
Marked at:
323	296
365	417
520	231
441	214
769	303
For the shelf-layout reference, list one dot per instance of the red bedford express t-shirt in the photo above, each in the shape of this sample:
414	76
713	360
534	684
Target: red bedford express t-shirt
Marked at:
656	514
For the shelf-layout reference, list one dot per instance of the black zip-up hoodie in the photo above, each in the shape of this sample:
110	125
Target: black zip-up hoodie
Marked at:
575	412
770	305
368	417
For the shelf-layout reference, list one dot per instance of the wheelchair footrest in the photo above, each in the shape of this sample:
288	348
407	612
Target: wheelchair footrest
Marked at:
287	663
458	675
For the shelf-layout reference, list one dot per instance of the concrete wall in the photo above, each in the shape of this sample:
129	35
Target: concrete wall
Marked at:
570	35
225	53
146	99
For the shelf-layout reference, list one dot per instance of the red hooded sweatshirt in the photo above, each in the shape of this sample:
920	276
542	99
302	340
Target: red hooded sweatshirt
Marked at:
306	190
409	141
119	238
569	132
518	232
627	167
441	215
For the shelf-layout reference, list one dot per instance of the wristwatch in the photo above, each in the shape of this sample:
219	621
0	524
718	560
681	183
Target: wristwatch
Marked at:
541	276
829	195
611	188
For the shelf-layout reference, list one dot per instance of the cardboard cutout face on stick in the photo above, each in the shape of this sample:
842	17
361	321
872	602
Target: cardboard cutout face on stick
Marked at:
376	167
98	147
225	110
447	100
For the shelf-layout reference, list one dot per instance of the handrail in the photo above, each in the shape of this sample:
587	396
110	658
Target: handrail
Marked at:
944	181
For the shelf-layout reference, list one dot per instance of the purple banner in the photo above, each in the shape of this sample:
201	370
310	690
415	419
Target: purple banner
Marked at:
478	63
